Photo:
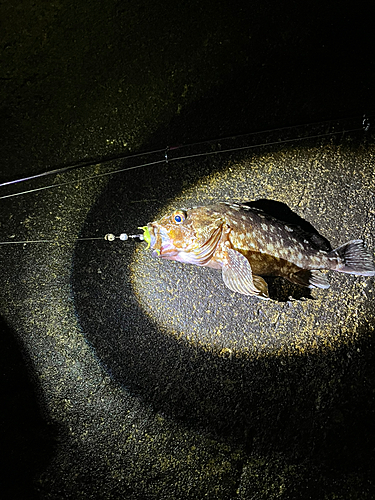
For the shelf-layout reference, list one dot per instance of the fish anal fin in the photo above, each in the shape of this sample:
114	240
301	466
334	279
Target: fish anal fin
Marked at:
238	276
310	279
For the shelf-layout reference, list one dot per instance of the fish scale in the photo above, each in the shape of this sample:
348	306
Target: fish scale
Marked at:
255	231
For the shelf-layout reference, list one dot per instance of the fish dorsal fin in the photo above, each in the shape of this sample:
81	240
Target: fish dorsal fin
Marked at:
205	252
238	276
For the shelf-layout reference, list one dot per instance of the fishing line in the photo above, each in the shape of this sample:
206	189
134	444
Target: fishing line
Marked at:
108	237
44	241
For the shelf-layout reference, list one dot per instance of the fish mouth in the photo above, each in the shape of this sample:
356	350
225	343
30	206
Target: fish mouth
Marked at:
160	242
150	228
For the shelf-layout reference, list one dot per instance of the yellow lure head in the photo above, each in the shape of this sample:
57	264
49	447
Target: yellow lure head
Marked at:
146	235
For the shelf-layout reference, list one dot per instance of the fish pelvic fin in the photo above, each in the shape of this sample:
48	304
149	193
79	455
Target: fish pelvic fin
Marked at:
354	258
261	286
311	279
238	276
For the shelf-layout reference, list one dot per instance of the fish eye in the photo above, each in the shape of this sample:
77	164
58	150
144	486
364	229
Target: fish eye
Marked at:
179	216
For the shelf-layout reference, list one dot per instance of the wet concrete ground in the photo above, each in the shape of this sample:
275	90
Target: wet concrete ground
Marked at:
127	377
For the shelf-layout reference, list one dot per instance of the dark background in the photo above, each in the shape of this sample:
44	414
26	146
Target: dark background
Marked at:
142	74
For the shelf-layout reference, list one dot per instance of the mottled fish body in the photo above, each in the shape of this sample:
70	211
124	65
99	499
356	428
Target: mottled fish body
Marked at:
246	243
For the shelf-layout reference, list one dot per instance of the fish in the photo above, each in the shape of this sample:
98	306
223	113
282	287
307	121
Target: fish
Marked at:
246	243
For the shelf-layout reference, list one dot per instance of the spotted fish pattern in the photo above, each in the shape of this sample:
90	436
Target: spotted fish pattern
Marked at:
247	243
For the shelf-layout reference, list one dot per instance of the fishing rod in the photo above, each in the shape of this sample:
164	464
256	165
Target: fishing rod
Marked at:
166	156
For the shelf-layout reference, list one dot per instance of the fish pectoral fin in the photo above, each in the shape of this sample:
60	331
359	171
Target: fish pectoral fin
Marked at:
238	276
204	254
311	279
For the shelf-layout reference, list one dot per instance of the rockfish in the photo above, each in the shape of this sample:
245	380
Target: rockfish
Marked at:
246	243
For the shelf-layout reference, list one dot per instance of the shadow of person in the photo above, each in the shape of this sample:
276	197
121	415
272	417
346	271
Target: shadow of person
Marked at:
28	440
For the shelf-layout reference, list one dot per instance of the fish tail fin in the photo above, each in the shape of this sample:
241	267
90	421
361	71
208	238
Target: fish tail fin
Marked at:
354	258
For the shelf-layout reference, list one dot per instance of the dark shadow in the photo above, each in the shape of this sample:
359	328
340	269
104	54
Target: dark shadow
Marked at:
28	441
282	290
